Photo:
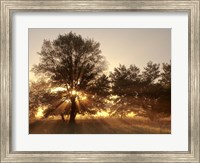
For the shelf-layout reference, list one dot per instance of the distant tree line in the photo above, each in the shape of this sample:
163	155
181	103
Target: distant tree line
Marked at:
145	93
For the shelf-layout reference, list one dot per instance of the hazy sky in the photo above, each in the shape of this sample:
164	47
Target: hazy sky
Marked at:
119	46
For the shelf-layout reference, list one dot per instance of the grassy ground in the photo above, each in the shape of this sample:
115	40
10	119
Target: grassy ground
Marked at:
102	126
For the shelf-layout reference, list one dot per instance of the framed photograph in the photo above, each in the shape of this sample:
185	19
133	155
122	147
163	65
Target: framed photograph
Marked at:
100	81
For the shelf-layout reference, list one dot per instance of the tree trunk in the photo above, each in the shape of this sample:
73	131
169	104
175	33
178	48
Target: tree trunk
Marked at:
73	111
63	118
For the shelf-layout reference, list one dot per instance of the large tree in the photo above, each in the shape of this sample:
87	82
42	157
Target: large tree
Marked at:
76	64
125	88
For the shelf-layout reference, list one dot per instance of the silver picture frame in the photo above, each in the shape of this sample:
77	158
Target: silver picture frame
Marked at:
8	7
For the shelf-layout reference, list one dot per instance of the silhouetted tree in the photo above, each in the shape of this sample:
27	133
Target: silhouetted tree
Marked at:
74	63
125	79
156	91
101	86
37	91
165	80
40	97
125	88
143	93
151	72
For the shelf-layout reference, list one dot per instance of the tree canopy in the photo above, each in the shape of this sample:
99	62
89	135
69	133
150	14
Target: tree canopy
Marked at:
74	63
71	61
145	93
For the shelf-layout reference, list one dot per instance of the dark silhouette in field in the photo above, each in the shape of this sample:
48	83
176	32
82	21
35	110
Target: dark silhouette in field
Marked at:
72	80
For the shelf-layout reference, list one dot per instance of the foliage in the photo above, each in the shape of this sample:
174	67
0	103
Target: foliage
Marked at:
71	61
165	80
151	73
74	63
37	91
124	79
101	86
143	94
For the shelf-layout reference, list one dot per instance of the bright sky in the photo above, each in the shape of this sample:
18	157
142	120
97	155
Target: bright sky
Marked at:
119	46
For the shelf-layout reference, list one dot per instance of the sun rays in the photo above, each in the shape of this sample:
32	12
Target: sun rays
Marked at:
39	113
84	105
57	89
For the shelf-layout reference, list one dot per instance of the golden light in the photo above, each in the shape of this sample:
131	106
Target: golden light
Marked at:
67	101
109	101
74	92
57	89
102	114
132	114
39	113
114	97
83	97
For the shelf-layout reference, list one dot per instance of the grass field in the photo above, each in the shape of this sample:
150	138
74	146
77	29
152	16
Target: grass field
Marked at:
135	125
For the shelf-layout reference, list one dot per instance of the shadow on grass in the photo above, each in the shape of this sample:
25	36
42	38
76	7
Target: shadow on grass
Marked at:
101	126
